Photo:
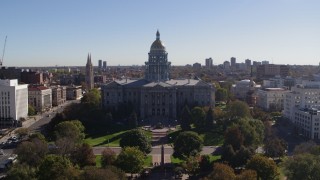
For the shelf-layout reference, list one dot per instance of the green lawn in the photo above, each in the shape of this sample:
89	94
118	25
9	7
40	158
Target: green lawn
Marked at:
212	138
214	157
148	161
105	139
98	160
176	160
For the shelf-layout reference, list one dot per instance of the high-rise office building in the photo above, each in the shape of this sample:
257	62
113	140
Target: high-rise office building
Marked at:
209	62
233	63
100	64
248	63
104	64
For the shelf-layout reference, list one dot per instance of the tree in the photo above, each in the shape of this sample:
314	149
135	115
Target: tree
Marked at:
110	173
22	132
221	94
187	144
198	116
234	137
73	130
247	175
307	147
21	172
83	156
266	168
57	167
185	119
238	109
275	147
205	164
252	131
92	98
68	135
108	158
32	152
209	119
191	165
31	110
133	120
222	172
218	114
136	138
130	160
302	166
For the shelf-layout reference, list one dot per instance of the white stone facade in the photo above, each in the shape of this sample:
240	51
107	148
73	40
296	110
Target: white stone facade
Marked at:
13	101
302	106
271	98
40	98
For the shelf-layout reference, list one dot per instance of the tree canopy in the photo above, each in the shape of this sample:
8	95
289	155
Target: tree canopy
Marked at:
108	158
92	98
56	167
130	160
266	168
221	94
136	138
275	147
185	119
83	156
31	110
198	116
238	109
222	172
32	152
302	166
187	144
73	130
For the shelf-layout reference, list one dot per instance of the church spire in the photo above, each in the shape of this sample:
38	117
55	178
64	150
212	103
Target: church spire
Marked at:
89	59
158	35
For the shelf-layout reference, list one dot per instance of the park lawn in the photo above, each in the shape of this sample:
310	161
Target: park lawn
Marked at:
98	161
105	139
176	160
214	157
148	161
212	138
112	140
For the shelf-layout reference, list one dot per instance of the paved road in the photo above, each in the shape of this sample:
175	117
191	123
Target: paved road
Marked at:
155	150
47	116
38	122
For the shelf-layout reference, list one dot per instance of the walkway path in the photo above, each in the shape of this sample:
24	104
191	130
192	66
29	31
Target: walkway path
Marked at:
159	137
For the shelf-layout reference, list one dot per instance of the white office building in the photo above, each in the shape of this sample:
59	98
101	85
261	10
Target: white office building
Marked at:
13	102
271	98
302	107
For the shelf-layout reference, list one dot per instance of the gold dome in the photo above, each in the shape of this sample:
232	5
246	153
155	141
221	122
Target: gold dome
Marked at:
157	44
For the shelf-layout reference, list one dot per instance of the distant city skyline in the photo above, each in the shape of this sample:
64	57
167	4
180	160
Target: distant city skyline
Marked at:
50	33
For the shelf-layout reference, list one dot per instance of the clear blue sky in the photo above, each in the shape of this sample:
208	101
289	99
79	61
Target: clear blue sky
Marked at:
62	32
